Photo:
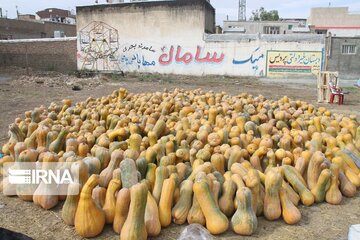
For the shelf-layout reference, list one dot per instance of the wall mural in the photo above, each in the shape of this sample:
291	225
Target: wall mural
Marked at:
135	56
171	55
99	44
253	61
100	48
295	62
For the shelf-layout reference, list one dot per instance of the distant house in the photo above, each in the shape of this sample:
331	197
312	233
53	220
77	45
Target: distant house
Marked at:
335	20
56	15
27	17
263	27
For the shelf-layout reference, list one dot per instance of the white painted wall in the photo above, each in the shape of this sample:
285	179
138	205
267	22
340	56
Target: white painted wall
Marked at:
132	40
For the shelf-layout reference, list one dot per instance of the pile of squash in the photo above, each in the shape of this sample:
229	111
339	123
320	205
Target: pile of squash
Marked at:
144	161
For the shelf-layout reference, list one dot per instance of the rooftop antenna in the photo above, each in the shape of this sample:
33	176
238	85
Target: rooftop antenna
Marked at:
17	12
242	10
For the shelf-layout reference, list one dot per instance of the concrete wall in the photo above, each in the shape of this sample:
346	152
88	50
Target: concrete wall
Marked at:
43	54
333	16
19	29
210	21
169	37
348	65
165	20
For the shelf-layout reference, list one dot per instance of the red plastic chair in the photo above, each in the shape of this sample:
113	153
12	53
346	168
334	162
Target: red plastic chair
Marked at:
334	91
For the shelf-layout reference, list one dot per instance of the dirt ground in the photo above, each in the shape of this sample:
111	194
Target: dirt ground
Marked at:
19	93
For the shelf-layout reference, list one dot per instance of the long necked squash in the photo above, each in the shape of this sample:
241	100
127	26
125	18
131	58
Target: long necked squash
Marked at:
166	201
181	209
26	191
99	195
110	200
121	209
46	195
306	196
272	207
244	221
216	221
134	227
128	173
59	143
346	187
314	169
333	195
195	214
320	188
152	220
254	184
290	212
226	201
161	173
151	175
70	205
89	218
107	174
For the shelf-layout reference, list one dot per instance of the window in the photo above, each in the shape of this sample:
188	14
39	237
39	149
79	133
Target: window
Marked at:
271	30
290	27
348	49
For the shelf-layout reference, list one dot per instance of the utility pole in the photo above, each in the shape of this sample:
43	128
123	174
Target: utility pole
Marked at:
242	10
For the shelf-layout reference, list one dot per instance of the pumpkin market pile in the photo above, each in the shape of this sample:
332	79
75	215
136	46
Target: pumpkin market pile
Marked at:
143	161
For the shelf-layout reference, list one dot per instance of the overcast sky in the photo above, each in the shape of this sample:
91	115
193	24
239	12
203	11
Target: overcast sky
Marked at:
286	8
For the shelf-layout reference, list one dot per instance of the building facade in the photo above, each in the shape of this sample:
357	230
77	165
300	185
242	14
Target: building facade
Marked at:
263	27
20	29
344	56
335	20
56	15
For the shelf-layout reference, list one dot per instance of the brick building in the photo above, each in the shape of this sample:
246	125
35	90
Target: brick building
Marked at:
56	15
21	29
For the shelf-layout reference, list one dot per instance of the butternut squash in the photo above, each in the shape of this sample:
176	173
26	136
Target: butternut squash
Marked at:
70	205
110	200
314	169
152	220
216	221
89	218
161	174
121	209
226	201
107	174
195	214
290	212
99	196
272	207
134	227
244	221
320	188
128	173
333	195
46	195
346	187
182	207
253	183
166	201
